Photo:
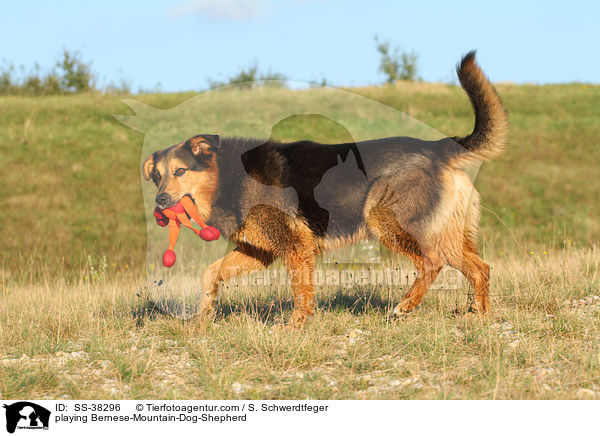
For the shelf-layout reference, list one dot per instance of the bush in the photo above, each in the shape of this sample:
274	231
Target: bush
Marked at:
250	78
70	75
76	75
396	65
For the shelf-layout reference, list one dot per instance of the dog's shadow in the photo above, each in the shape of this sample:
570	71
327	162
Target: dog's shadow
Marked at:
266	310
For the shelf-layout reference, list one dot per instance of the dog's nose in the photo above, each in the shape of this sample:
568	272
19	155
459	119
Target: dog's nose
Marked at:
162	199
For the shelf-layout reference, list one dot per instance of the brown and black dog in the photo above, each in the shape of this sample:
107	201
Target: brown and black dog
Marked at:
270	199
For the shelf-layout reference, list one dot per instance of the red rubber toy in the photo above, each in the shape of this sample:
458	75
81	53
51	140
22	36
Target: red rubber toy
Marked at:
209	233
179	214
169	258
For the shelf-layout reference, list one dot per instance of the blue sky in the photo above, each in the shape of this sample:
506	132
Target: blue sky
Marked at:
182	43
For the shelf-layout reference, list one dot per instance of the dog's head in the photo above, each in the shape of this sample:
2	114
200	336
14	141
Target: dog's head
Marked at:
189	168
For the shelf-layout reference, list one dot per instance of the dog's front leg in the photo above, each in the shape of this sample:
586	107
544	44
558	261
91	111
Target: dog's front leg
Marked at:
267	233
300	263
231	265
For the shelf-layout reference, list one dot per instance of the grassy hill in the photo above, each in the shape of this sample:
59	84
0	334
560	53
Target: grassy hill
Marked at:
73	325
71	171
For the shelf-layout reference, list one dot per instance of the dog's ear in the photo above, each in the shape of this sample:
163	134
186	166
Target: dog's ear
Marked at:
148	167
204	144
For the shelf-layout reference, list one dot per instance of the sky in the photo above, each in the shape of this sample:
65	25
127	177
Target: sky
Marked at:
182	44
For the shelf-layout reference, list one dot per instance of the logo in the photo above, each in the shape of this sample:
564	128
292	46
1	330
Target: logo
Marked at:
26	415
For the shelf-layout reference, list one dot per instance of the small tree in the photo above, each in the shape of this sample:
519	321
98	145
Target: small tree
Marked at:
69	75
245	78
249	78
76	75
6	79
408	64
273	80
396	65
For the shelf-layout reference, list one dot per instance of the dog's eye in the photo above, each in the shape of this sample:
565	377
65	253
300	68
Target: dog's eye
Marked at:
157	177
180	171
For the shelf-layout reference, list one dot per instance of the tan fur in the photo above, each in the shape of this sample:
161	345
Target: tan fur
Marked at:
204	186
453	206
233	264
331	243
269	230
489	136
448	237
147	167
200	146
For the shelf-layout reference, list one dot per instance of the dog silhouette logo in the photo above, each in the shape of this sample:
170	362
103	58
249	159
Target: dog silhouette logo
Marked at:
26	415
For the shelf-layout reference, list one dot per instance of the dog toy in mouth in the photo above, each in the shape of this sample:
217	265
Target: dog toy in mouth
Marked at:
179	214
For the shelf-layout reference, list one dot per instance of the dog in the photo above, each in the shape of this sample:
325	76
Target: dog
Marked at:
269	199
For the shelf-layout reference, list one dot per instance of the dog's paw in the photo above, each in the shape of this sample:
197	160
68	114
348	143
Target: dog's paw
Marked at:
297	320
472	313
403	309
205	312
476	309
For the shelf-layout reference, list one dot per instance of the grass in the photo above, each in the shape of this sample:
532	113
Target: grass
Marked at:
71	183
93	340
79	317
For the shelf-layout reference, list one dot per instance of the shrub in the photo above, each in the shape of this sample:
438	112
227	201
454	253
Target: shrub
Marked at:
76	75
396	65
250	78
69	75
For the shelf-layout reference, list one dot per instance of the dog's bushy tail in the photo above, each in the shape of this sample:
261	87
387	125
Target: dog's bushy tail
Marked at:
491	121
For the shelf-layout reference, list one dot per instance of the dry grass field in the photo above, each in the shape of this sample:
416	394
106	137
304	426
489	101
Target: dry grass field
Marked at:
107	339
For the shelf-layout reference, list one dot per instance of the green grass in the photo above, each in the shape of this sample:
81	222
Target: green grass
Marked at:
76	316
71	178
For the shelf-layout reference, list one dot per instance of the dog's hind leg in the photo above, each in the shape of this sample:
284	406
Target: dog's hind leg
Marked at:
242	259
427	271
477	273
382	222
